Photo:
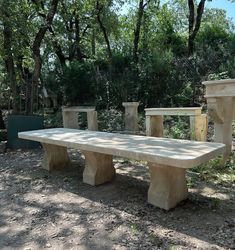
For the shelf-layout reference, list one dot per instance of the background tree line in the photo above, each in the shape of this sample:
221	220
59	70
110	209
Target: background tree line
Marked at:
94	52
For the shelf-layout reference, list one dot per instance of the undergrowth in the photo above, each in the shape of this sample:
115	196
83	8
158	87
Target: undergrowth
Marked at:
216	171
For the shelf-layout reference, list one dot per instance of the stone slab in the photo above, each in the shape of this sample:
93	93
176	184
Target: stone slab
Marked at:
173	111
172	152
78	109
220	88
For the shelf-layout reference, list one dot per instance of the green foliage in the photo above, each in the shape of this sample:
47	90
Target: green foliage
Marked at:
217	172
53	120
78	81
177	127
77	67
110	120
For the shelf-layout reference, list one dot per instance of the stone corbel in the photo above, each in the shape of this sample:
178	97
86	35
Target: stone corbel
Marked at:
215	109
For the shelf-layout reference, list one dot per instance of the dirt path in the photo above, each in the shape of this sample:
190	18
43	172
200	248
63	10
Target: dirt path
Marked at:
57	211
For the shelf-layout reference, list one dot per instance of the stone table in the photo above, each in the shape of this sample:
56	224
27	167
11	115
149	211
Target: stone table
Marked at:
70	117
198	121
167	158
220	95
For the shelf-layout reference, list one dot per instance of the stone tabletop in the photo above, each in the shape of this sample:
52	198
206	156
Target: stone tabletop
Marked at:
174	111
78	109
176	153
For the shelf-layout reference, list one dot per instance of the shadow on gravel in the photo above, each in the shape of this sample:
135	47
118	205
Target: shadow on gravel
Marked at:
57	208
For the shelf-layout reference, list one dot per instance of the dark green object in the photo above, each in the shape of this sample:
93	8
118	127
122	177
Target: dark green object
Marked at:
20	123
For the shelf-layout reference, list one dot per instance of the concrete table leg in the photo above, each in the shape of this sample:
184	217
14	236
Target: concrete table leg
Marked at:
223	131
70	119
55	157
99	168
92	120
199	127
167	186
154	125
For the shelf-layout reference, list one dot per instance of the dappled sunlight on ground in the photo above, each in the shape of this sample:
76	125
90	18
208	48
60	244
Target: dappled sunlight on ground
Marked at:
56	210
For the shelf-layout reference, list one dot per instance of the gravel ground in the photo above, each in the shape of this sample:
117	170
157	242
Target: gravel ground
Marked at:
56	210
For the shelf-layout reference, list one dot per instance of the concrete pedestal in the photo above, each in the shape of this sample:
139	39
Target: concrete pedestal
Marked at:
167	186
220	97
55	157
99	168
131	117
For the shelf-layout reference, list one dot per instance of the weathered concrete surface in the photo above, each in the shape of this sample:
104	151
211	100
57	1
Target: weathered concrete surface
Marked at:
198	121
167	158
220	97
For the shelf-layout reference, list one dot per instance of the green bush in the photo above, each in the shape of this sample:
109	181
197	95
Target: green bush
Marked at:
110	120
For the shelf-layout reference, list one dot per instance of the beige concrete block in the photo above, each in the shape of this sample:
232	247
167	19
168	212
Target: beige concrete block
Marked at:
70	119
92	120
167	151
199	127
131	116
154	126
167	186
55	157
190	111
220	95
98	168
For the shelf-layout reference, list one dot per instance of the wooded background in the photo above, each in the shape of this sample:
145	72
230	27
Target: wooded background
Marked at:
96	52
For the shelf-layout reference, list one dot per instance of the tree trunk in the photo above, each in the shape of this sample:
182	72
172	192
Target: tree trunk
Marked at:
2	125
59	53
9	63
137	30
93	43
194	23
99	9
36	52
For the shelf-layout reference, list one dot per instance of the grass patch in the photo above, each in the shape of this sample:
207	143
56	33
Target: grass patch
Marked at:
216	171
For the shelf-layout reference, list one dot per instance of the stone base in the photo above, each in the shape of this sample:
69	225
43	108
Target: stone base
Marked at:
167	186
99	168
55	157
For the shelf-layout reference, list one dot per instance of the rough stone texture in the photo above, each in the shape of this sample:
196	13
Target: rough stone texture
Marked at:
92	120
172	152
98	169
131	117
167	186
220	97
154	125
199	127
55	157
198	121
70	117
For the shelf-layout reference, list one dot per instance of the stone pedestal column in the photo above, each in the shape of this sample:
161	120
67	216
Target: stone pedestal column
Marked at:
154	125
92	120
220	95
199	127
131	116
167	186
98	168
70	119
55	157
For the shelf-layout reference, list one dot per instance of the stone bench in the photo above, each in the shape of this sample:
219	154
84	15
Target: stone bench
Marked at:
198	121
167	158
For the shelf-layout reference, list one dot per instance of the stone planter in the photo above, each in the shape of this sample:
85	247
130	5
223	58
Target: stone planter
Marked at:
20	123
